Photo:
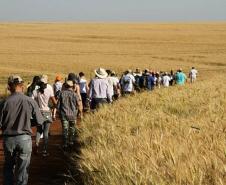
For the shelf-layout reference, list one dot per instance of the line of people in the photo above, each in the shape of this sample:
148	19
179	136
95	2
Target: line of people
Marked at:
70	97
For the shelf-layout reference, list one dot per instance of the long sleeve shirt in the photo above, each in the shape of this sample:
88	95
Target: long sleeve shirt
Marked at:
16	113
99	88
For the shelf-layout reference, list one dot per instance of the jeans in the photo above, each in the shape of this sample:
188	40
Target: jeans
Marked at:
45	130
97	102
17	151
69	131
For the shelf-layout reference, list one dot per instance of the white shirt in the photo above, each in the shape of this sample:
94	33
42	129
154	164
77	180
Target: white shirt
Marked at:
113	81
127	83
57	86
193	73
165	80
83	84
43	99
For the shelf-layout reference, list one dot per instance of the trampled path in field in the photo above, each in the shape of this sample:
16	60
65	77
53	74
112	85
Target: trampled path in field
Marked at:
48	170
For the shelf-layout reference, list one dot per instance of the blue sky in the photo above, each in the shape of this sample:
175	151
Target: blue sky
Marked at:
113	10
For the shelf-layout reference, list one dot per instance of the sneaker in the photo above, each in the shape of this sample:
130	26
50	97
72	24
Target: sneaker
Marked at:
45	153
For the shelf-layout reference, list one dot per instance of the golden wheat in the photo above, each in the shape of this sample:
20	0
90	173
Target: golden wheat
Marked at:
170	136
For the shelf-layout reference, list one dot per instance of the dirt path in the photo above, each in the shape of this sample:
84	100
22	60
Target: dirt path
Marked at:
45	170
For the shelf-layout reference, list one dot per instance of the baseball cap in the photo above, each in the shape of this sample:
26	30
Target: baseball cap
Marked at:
15	79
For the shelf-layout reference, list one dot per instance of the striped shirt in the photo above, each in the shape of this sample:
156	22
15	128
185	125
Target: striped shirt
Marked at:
68	105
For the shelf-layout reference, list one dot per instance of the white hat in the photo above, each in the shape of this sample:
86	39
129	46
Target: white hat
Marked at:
70	83
15	79
101	73
44	79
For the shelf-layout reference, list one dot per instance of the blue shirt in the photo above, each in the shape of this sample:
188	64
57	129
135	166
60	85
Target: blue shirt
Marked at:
180	78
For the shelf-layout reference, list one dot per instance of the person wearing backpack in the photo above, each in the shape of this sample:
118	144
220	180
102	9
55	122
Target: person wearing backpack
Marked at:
144	79
127	82
42	96
70	107
138	79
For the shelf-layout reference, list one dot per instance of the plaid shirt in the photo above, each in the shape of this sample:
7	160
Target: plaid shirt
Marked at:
68	105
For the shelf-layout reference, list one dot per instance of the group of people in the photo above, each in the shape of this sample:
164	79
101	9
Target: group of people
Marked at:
70	97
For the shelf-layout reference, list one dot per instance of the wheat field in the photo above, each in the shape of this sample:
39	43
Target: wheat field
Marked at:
168	137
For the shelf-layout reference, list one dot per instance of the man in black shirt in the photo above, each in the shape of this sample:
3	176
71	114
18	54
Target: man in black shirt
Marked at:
16	112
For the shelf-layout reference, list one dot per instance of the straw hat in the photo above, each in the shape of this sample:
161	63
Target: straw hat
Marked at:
70	83
101	73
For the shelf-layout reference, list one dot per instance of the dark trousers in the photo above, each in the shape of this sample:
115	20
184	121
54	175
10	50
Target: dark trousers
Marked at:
17	151
85	101
97	102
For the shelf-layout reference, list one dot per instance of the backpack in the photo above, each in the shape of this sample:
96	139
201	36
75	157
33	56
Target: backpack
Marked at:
144	81
126	80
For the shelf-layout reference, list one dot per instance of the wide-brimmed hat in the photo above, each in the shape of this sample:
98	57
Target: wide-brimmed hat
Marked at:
101	73
44	79
70	83
15	79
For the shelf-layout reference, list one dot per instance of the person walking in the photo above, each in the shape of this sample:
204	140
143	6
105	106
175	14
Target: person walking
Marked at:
180	77
16	112
84	89
193	75
42	96
99	89
127	82
166	80
69	106
57	87
116	86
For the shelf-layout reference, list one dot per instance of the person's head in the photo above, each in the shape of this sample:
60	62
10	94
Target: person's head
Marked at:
137	70
180	70
113	73
108	72
146	71
15	84
101	73
69	84
171	72
81	74
36	80
73	77
43	83
193	67
44	79
58	78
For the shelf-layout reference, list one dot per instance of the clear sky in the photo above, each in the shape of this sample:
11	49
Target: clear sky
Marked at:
113	10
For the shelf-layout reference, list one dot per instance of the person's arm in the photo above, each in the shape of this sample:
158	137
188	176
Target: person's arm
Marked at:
54	101
90	89
79	106
36	114
1	113
87	88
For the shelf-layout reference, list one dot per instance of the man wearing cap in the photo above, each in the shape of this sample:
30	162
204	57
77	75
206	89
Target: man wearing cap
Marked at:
16	112
100	92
